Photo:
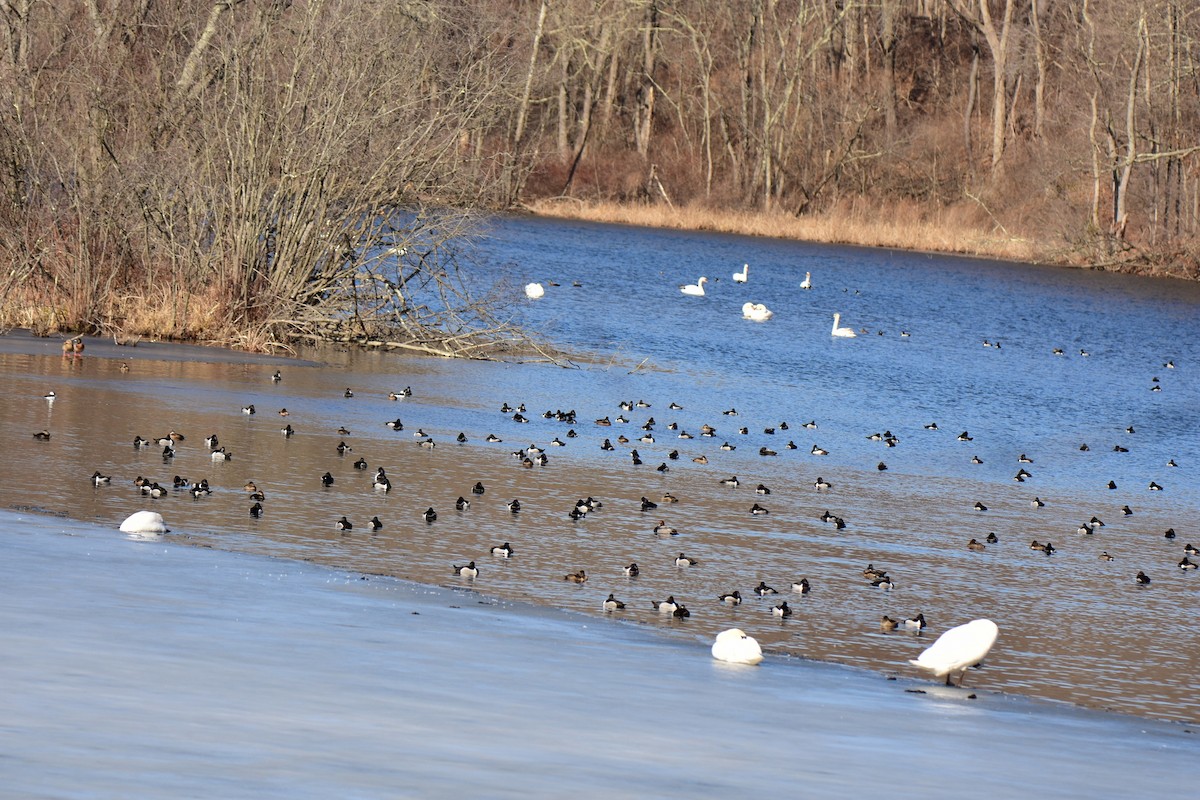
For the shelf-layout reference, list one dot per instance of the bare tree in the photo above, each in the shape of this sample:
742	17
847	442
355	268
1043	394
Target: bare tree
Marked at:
997	38
273	177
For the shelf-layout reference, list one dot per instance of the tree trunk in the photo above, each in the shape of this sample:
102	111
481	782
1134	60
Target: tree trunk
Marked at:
1096	171
564	148
523	105
1039	47
646	91
972	95
765	147
1121	200
16	76
610	92
888	45
998	45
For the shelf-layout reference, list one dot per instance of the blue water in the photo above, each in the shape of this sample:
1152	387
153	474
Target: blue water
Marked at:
1020	396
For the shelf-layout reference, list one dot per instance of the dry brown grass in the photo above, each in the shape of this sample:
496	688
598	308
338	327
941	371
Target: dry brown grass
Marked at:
965	229
177	315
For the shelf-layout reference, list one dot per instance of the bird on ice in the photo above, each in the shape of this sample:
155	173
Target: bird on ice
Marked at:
958	649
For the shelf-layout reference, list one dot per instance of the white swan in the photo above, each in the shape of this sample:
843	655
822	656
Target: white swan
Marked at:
958	649
838	331
807	282
735	647
534	290
695	289
144	522
740	277
756	312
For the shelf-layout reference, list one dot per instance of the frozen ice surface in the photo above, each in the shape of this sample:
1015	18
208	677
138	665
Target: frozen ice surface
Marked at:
151	669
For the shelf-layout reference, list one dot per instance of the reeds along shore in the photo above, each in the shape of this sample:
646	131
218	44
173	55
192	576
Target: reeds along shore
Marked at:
904	227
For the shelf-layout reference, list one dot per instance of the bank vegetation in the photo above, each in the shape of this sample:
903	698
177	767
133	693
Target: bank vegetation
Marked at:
251	173
1065	131
259	172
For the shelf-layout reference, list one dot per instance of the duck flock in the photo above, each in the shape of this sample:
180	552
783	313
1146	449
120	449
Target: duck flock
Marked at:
533	456
657	458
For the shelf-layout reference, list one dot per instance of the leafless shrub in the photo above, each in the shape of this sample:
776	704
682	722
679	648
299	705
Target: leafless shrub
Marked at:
256	172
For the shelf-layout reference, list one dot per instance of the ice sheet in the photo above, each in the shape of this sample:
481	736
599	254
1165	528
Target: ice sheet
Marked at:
148	669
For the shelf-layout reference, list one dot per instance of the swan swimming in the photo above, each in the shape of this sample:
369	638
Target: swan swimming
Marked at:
695	289
756	312
735	647
807	282
958	649
839	331
740	277
534	290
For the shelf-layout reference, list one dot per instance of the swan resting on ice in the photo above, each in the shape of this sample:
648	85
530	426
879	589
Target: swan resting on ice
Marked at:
840	331
958	649
735	647
756	312
695	289
144	522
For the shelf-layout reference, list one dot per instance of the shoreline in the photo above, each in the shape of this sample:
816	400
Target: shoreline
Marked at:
920	237
145	668
914	682
856	230
909	680
25	341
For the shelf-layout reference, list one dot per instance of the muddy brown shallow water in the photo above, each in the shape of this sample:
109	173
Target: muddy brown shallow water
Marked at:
1073	627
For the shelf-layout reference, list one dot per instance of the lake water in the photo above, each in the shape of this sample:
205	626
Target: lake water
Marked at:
1072	627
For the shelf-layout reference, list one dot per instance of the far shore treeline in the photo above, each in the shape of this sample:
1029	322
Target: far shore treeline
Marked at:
261	172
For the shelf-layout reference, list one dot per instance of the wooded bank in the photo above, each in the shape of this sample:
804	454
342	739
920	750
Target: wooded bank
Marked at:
255	171
1050	130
